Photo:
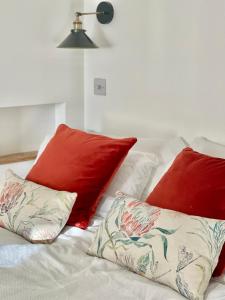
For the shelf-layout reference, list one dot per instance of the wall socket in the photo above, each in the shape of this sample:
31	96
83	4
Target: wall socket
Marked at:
100	86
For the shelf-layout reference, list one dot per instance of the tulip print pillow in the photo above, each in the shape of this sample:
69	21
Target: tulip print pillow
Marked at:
169	247
33	211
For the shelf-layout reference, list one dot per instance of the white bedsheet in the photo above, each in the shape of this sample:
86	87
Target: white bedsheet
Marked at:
64	271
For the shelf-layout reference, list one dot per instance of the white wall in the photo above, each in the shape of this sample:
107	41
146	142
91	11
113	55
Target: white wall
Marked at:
33	71
23	128
164	62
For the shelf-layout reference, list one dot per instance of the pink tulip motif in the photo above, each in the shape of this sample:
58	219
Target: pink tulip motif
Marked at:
9	196
135	222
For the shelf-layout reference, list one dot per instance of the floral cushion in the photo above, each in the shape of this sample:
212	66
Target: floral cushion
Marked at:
172	248
33	211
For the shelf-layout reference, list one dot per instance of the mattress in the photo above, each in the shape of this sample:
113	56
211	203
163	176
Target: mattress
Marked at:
63	270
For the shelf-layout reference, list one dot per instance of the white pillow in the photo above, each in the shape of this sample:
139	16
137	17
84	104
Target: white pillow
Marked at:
131	178
167	153
43	146
153	145
165	148
20	168
157	174
172	148
205	146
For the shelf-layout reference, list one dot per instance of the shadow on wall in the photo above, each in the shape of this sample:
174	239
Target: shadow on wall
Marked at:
100	38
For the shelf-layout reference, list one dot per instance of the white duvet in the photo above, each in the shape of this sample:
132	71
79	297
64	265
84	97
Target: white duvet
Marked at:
64	271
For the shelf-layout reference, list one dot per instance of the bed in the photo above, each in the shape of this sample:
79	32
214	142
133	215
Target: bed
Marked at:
63	270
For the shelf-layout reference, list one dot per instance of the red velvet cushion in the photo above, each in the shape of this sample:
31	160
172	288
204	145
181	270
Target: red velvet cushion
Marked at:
77	161
195	185
220	268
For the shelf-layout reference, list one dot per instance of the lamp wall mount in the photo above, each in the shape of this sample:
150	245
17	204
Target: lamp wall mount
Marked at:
78	37
104	14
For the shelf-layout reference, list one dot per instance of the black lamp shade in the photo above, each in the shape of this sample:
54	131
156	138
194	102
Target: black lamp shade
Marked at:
77	39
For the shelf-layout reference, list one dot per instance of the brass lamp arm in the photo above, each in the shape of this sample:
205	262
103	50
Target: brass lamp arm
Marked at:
78	24
79	14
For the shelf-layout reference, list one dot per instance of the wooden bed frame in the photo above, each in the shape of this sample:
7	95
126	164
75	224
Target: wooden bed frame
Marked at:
17	157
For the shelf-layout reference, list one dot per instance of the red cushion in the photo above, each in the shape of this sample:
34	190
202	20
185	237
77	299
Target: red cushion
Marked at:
77	161
195	185
220	268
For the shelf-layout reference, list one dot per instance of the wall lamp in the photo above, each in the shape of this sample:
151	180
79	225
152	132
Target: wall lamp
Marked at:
78	38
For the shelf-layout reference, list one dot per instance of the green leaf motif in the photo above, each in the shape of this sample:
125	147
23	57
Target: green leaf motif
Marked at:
143	263
129	241
117	222
99	244
148	236
165	245
166	231
183	287
99	240
125	242
202	268
135	238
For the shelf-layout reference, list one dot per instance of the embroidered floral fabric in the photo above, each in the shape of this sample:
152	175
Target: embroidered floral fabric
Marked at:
33	211
172	248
